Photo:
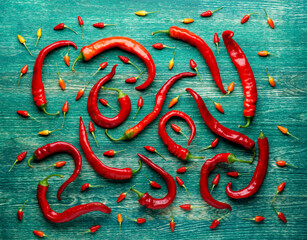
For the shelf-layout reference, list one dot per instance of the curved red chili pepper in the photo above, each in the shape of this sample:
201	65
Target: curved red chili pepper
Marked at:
126	44
259	174
70	213
157	203
246	74
38	90
92	108
160	98
172	147
97	165
60	147
196	41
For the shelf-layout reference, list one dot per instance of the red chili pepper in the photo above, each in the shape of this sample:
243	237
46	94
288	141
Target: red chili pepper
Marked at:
19	158
160	98
98	166
133	79
86	186
246	17
20	212
22	72
177	129
280	188
266	53
40	234
81	91
140	104
91	230
59	147
153	150
215	182
26	114
66	58
58	164
256	219
209	13
188	207
153	183
101	66
65	109
111	153
216	222
120	220
280	215
203	48
81	24
286	132
61	81
68	214
138	220
283	163
61	26
235	174
193	65
269	20
160	46
174	100
181	184
230	88
172	223
172	147
212	145
38	91
122	196
216	41
123	100
101	25
184	169
157	203
171	62
246	74
126	60
271	80
92	131
105	103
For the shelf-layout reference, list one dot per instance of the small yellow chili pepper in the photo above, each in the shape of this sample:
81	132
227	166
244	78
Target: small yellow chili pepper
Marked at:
143	13
47	132
23	41
171	62
39	34
187	20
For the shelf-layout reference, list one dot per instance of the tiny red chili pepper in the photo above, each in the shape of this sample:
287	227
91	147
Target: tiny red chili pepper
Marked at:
216	222
91	129
61	26
215	182
172	223
26	114
120	220
153	183
143	13
86	186
91	230
47	132
101	66
174	100
101	25
171	62
235	174
283	163
212	145
20	212
193	65
126	60
111	153
40	234
81	24
153	150
140	105
184	169
285	131
61	81
246	17
216	41
160	46
266	53
122	196
22	72
209	13
105	103
177	129
81	92
219	107
133	79
282	217
65	110
256	219
280	188
181	184
188	207
57	164
269	20
138	220
66	58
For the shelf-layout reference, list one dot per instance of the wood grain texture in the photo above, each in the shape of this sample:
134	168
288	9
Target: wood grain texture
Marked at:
284	105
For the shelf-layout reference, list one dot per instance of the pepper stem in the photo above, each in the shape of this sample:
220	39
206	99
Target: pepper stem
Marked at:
63	119
190	156
253	13
120	93
168	47
134	66
140	74
33	118
205	148
36	41
55	130
70	29
44	235
19	78
13	165
232	158
140	165
76	60
186	190
274	208
134	220
197	73
248	121
217	9
43	108
95	186
292	136
27	49
120	151
184	134
58	70
122	138
274	54
44	182
30	159
84	232
174	54
146	177
160	31
254	155
112	107
110	24
137	192
160	155
136	113
291	165
222	217
266	14
82	31
94	138
96	72
23	205
274	197
212	188
191	166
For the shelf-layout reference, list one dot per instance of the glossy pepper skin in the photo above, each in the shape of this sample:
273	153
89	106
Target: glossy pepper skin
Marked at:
97	165
38	90
160	98
246	75
259	174
172	147
125	44
158	203
219	129
92	108
55	148
70	213
196	41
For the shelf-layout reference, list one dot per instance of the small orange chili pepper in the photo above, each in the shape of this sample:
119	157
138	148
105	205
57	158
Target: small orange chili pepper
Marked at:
65	110
285	131
66	58
120	220
219	107
47	132
171	62
186	20
23	41
61	81
269	20
266	53
40	234
22	72
39	34
174	100
81	92
283	163
230	88
143	13
271	80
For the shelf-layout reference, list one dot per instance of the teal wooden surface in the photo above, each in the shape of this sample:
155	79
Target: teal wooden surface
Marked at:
284	105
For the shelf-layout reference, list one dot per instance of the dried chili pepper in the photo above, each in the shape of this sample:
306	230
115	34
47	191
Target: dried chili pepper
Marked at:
266	53
19	158
143	13
157	203
271	80
153	183
20	212
41	234
215	182
81	23
209	13
126	60
172	223
256	219
47	132
133	79
91	129
259	174
160	98
235	174
102	25
216	41
61	26
286	132
246	17
140	104
81	91
23	42
193	65
171	62
25	114
105	103
203	48
39	34
283	163
123	195
160	46
70	213
65	109
58	164
177	129
138	220
101	66
91	230
111	153
86	186
38	90
184	169
61	81
120	220
153	150
172	147
216	222
212	145
23	71
174	100
181	184
280	188
98	166
246	75
66	57
269	20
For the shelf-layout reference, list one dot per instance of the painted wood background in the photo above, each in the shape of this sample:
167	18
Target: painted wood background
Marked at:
284	105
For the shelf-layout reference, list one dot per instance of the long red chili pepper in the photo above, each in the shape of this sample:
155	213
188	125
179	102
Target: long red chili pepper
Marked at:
123	99
70	213
259	174
98	166
19	158
38	90
157	203
20	212
199	43
126	44
101	25
207	167
172	147
59	147
160	98
81	23
246	74
23	71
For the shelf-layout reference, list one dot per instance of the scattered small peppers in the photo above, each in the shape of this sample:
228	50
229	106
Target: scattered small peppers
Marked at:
58	164
230	88
140	105
212	145
105	103
181	184
61	81
120	220
64	110
256	219
23	41
26	114
23	71
91	230
20	212
193	65
285	131
269	20
39	34
101	66
66	57
265	53
280	188
209	13
172	223
61	26
235	174
138	220
86	186
153	150
19	158
171	62
127	61
186	20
